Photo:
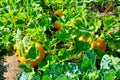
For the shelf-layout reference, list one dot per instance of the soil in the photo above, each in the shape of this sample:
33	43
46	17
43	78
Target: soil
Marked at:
8	66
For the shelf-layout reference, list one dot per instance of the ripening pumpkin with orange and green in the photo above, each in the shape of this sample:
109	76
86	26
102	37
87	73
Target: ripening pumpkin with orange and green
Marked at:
42	55
33	63
57	25
100	44
83	38
57	12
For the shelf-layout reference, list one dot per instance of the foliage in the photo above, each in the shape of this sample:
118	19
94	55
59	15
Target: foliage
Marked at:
67	57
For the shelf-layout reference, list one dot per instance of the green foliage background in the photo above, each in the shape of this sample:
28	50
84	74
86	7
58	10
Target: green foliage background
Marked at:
67	58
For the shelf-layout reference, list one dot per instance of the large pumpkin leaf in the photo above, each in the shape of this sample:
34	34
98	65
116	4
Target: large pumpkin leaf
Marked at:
33	53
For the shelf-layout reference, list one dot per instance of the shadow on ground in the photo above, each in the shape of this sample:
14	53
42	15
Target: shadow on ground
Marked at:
3	68
8	65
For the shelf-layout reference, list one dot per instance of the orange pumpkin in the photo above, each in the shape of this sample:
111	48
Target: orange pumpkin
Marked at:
57	12
22	60
34	63
57	25
100	44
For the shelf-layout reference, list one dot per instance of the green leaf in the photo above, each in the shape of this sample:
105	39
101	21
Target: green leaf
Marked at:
110	67
1	46
36	76
8	46
20	47
80	24
110	75
85	77
29	76
91	76
72	70
54	70
6	38
26	67
109	22
33	53
63	53
22	76
18	35
62	77
41	64
110	62
81	46
19	21
32	24
1	23
44	21
97	24
26	41
46	77
106	62
86	65
91	55
70	16
118	74
64	34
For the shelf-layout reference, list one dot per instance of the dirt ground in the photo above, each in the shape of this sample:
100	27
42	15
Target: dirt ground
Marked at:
9	66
